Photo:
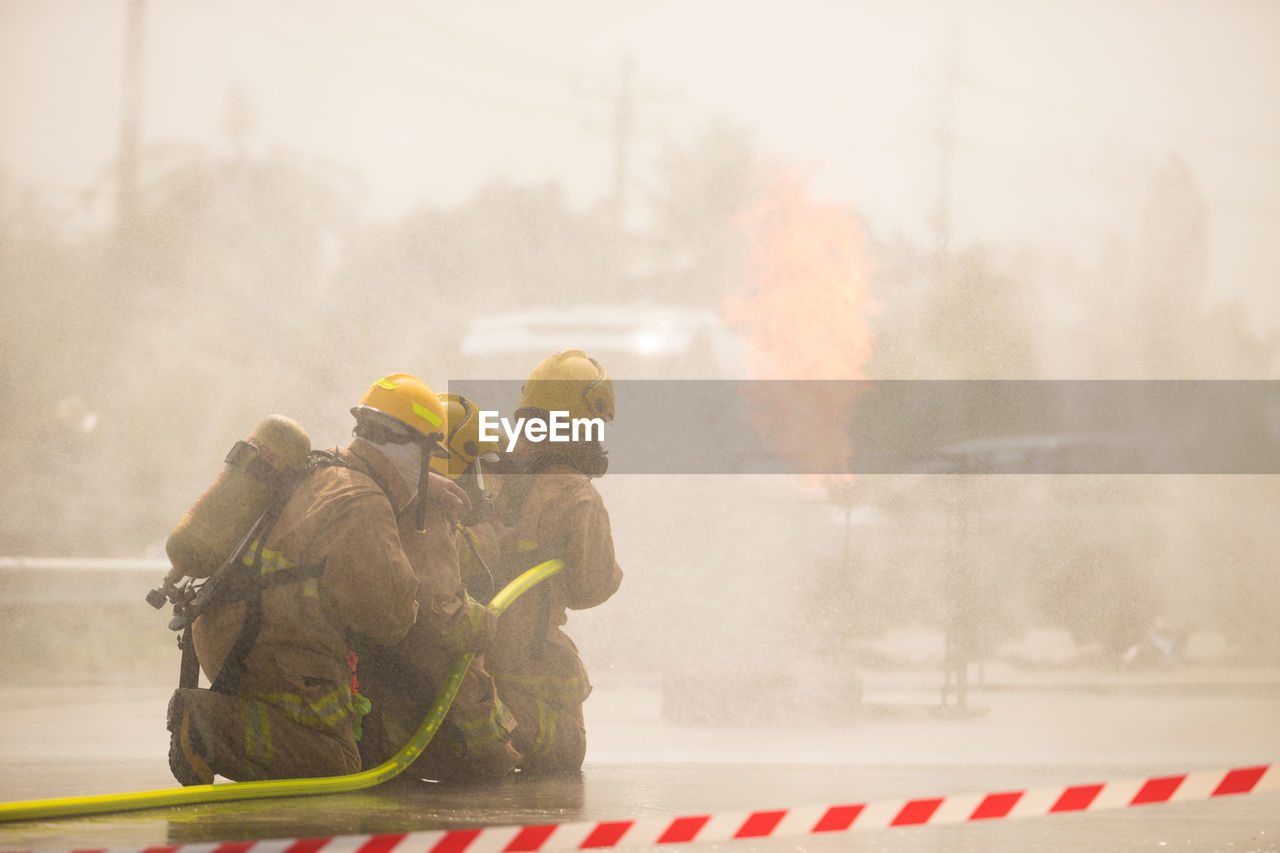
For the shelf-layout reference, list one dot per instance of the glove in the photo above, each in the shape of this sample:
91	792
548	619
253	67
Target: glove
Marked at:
475	629
447	496
480	512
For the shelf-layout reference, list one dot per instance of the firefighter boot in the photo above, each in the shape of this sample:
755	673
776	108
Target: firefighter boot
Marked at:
186	746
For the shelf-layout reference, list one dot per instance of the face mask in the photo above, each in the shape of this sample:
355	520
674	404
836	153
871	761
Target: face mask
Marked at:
407	460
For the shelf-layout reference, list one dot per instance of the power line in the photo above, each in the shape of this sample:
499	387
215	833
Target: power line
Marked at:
502	59
399	66
451	76
1068	110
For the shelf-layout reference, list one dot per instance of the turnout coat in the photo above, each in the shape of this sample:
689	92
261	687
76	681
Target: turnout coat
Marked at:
292	712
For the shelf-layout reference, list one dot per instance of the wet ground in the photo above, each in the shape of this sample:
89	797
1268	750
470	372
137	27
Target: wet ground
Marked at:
70	741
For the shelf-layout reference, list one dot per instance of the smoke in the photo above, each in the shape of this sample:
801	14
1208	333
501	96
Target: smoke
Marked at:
395	207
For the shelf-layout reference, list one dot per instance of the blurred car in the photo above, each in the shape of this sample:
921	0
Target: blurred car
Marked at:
635	341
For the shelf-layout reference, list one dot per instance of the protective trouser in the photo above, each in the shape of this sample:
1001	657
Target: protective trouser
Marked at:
263	736
550	731
474	742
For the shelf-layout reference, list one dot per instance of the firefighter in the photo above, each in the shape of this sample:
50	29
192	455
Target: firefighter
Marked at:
474	741
332	570
548	510
468	465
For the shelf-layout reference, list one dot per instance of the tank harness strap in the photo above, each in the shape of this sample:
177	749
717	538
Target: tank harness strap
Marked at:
249	590
189	670
325	457
233	667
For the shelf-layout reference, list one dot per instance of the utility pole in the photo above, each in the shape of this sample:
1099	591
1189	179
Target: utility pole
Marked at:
961	627
127	186
946	144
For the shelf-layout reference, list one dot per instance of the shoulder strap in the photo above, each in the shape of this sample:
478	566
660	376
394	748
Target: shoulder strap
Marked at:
323	458
233	667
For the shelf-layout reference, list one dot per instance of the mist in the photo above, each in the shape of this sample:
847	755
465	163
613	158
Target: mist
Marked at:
214	212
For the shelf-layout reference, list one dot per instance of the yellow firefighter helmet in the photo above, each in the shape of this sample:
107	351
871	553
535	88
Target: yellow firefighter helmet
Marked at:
407	399
570	381
462	436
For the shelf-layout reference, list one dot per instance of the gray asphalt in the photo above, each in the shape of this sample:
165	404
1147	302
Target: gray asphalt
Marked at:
73	740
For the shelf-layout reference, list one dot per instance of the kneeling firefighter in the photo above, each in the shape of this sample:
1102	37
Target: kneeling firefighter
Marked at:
324	568
468	465
474	741
550	509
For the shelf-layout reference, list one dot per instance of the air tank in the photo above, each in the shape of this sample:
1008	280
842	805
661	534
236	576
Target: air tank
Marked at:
256	469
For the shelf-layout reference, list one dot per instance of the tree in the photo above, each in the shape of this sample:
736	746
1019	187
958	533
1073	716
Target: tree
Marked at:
52	336
173	339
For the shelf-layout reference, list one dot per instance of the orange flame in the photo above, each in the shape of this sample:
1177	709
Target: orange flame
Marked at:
805	316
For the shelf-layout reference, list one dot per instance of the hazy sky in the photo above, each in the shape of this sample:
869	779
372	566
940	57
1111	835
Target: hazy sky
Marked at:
1054	106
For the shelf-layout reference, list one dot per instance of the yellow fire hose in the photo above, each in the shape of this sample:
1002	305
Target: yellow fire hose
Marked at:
101	803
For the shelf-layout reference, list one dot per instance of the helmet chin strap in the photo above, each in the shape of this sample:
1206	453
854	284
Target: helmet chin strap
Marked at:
424	474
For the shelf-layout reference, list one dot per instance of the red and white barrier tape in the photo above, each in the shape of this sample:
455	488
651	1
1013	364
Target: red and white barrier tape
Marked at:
779	823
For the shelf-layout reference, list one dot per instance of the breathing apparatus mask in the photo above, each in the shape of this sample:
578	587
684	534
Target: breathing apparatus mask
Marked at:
472	482
409	452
